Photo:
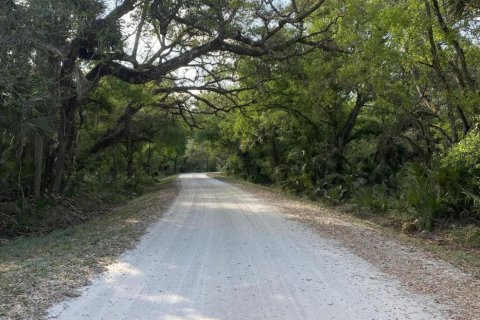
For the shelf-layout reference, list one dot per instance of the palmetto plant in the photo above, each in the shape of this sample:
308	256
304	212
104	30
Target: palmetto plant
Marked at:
439	193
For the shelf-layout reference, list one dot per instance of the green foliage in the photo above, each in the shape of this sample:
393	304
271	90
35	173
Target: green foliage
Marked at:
374	197
422	194
383	114
145	150
439	193
336	194
473	237
388	123
464	157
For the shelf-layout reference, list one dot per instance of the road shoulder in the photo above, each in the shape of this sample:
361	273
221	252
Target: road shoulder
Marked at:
416	268
39	271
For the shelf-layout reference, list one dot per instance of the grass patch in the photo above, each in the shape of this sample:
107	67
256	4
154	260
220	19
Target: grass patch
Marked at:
37	271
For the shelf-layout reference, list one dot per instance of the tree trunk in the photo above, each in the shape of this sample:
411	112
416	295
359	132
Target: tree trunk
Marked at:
129	170
344	136
275	154
66	129
38	160
66	133
456	44
437	67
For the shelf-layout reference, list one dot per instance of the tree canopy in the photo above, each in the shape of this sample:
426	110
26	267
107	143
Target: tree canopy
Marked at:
388	120
374	102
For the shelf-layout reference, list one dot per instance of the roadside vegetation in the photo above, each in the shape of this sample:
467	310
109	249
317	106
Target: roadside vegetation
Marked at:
97	97
388	123
40	270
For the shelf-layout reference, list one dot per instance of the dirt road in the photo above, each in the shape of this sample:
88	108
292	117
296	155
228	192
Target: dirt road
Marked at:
219	253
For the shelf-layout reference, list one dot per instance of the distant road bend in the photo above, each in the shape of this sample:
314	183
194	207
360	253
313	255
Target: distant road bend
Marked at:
219	253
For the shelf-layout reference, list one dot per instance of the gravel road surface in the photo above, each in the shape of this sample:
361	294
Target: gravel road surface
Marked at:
220	253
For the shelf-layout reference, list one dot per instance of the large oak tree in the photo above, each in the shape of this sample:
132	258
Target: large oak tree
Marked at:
188	48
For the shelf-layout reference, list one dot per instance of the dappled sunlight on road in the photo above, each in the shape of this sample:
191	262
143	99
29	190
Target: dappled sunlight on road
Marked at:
189	315
220	253
120	269
164	298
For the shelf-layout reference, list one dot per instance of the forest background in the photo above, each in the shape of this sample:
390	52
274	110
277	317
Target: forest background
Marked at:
371	103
